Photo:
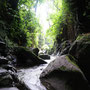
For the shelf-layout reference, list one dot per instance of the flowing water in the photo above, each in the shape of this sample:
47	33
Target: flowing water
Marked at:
30	76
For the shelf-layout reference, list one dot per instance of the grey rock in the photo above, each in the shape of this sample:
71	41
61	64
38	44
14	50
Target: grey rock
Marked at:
35	51
26	58
9	88
63	74
6	79
80	49
44	56
3	60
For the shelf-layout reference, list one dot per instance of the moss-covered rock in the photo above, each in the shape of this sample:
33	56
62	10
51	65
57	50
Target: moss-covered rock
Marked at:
64	74
81	51
26	58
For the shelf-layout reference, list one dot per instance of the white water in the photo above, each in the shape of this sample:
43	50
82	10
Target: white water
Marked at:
31	76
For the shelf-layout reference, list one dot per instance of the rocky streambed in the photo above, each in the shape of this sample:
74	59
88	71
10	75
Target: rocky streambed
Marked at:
21	69
30	76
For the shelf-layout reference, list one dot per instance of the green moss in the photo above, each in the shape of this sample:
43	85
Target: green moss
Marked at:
64	44
72	61
63	68
67	68
84	37
79	37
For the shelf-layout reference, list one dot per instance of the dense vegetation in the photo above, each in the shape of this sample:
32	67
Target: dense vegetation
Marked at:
19	24
62	29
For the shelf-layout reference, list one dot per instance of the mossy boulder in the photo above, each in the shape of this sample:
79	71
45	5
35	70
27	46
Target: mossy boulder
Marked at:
63	74
26	58
80	49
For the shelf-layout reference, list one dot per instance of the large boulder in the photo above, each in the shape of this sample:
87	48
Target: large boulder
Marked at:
26	58
81	51
63	74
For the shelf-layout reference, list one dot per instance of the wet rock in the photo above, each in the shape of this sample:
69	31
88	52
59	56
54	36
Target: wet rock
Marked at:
22	86
6	79
19	83
3	60
9	67
12	59
44	56
10	80
2	48
65	51
64	47
63	74
9	88
81	51
26	58
35	51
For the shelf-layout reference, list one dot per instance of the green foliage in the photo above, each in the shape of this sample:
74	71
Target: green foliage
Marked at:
55	18
62	21
18	22
22	27
28	22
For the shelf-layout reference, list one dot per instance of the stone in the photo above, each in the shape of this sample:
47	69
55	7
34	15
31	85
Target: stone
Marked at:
35	51
44	56
26	57
12	59
65	51
9	67
63	74
64	47
80	49
10	81
3	60
9	88
6	79
2	48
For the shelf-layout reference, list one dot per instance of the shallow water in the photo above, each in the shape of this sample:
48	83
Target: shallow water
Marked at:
31	75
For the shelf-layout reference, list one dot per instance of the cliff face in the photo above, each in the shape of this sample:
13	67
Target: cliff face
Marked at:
8	16
80	10
77	20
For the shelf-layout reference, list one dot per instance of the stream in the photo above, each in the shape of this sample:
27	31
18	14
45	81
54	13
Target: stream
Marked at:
30	76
